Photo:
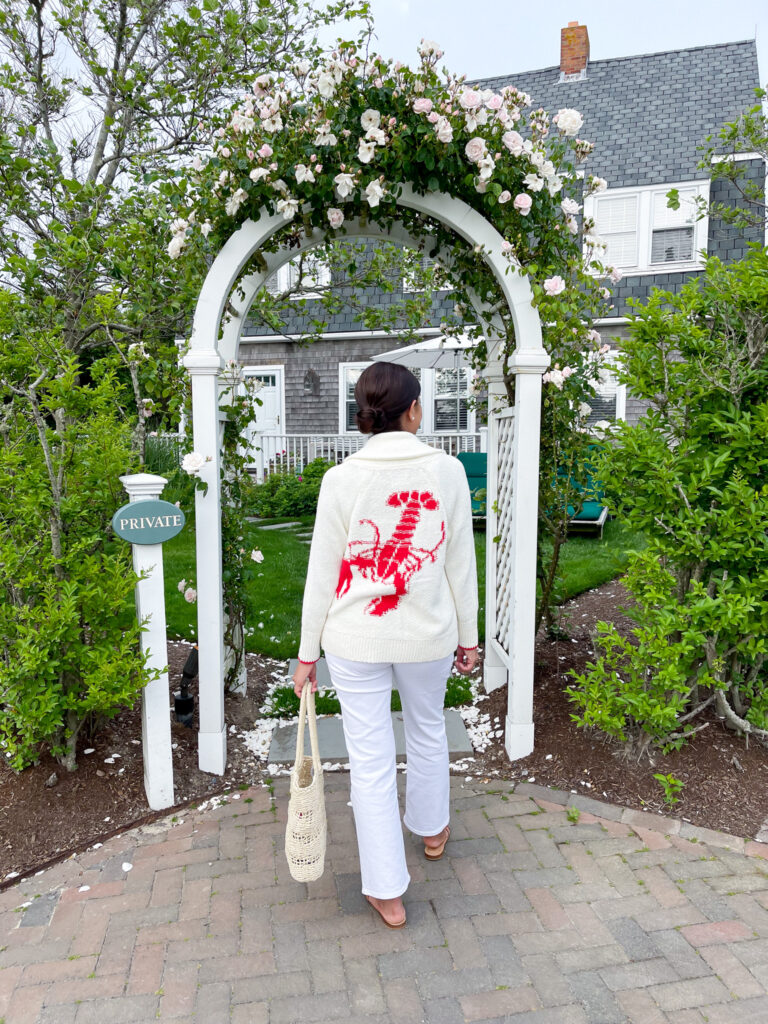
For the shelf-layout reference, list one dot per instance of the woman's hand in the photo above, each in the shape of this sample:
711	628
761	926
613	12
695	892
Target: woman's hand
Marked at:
302	674
466	660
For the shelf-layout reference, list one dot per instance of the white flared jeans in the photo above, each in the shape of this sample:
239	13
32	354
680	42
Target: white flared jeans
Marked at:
364	691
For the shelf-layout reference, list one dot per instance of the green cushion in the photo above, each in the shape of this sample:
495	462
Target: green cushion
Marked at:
590	512
476	467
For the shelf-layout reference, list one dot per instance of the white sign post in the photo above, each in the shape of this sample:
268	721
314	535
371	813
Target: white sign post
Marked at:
150	607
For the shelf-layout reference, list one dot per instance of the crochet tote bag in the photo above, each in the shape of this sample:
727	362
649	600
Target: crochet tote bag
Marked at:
305	832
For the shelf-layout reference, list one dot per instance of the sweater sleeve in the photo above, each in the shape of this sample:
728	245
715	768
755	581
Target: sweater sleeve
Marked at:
460	562
329	542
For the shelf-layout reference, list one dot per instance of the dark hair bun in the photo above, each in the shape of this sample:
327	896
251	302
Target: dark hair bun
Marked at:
369	419
384	391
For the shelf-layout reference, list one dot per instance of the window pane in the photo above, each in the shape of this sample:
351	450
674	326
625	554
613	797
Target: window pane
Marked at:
446	414
616	213
452	381
672	245
352	375
351	423
616	223
664	217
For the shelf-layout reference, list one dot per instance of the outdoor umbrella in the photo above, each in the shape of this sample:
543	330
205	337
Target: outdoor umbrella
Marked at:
441	353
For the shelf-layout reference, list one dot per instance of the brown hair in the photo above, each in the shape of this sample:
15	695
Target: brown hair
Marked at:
383	393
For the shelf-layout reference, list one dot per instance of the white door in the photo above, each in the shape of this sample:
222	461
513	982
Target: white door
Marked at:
267	424
268	414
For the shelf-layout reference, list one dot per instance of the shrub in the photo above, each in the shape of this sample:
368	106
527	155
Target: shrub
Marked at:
693	476
290	494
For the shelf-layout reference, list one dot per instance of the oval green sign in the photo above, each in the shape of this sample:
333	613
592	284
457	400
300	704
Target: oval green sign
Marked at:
148	522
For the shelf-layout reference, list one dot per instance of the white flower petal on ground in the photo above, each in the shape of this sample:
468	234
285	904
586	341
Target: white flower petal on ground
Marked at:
127	866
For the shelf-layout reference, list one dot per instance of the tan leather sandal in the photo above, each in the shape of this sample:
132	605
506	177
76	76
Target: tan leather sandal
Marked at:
436	852
389	924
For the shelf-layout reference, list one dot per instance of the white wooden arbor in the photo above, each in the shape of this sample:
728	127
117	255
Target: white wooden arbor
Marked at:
513	455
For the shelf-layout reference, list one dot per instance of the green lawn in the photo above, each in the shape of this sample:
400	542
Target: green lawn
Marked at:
275	604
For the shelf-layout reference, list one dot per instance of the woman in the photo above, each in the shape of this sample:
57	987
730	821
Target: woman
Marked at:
391	594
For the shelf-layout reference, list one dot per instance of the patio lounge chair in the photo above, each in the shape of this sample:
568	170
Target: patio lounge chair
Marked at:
476	467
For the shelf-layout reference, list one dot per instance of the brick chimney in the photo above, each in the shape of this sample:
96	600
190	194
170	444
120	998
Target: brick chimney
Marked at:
574	49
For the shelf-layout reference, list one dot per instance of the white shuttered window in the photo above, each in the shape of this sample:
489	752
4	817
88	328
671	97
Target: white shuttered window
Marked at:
643	235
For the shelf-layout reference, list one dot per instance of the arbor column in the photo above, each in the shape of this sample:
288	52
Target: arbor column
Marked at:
528	367
204	368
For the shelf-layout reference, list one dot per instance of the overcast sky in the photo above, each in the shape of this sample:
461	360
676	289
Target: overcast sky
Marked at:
494	37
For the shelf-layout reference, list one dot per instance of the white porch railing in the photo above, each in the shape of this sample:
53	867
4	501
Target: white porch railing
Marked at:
280	453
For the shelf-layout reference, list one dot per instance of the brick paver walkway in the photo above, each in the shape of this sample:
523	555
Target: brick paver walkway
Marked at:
530	917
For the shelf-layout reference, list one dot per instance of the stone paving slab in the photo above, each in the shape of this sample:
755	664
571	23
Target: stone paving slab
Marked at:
330	736
530	918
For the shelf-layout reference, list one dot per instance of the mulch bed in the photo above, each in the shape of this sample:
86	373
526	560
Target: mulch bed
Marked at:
726	781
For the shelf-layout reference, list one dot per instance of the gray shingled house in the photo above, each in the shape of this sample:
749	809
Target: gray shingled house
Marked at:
647	115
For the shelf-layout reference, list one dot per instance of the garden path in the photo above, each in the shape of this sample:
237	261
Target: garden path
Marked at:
531	918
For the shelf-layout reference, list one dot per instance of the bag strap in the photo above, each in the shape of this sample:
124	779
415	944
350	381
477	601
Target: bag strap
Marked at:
307	714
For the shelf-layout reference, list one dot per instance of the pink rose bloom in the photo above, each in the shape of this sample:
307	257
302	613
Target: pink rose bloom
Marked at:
422	105
319	168
470	99
225	152
313	158
616	275
506	246
335	218
605	293
514	142
475	150
378	83
554	285
444	130
567	371
433	117
505	196
266	151
494	102
251	154
523	204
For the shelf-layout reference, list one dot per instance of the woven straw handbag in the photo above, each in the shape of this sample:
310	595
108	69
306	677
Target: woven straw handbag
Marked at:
305	832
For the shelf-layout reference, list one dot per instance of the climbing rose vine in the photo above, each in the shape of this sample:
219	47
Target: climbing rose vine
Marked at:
332	144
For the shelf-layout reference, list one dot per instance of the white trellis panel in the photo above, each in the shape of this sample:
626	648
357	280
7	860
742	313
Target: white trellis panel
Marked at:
502	540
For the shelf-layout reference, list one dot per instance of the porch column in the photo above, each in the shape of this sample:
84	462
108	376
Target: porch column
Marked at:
204	368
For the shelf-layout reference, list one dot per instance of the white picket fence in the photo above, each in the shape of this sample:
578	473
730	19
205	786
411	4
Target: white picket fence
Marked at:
280	453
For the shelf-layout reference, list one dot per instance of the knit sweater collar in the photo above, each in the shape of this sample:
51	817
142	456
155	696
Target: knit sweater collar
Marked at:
393	445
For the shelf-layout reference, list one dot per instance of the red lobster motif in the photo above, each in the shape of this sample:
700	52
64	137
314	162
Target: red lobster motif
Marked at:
397	560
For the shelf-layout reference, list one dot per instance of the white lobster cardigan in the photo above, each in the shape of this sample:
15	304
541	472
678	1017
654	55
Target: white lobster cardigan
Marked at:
392	575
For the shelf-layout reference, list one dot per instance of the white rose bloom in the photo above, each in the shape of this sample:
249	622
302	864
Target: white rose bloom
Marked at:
175	246
192	463
569	121
570	207
597	184
486	165
345	185
374	193
304	173
325	136
288	207
584	410
547	169
376	135
178	227
258	173
366	151
370	118
537	158
235	201
554	185
326	85
302	68
444	130
206	228
257	555
533	182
